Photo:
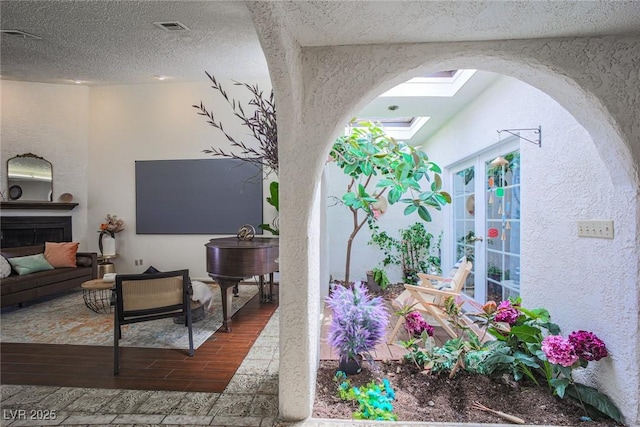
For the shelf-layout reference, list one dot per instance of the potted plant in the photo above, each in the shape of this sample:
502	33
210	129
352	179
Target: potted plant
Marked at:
359	323
377	280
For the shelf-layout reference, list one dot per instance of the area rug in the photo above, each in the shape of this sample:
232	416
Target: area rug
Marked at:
66	320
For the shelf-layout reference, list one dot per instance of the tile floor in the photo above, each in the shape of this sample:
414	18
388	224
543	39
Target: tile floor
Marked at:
250	399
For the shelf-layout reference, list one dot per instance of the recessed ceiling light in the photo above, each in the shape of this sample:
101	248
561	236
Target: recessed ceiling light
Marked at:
78	82
161	78
19	34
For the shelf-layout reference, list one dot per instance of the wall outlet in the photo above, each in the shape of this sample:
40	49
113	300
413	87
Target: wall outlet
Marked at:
600	229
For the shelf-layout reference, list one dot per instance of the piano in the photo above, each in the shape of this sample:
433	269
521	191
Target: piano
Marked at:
230	260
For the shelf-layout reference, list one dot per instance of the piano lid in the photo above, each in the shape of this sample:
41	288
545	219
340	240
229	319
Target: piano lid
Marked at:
234	242
228	256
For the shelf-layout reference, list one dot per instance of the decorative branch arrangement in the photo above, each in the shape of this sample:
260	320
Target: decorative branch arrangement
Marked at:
262	125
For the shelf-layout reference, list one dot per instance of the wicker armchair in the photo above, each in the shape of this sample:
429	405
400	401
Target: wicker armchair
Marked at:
146	297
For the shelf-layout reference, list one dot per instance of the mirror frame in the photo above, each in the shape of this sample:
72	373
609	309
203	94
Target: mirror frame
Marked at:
9	186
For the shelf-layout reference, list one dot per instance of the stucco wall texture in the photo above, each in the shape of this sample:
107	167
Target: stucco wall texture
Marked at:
594	79
50	121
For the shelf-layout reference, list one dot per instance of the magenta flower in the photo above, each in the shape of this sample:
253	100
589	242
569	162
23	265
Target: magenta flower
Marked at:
506	313
588	346
559	351
415	324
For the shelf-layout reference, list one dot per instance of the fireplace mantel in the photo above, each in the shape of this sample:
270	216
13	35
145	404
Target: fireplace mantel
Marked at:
58	206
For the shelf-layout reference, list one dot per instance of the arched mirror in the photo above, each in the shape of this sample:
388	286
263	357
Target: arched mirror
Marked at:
30	178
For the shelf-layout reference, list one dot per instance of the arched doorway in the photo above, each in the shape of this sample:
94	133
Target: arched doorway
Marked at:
323	103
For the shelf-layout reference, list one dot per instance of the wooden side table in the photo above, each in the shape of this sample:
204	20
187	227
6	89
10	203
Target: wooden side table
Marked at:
97	295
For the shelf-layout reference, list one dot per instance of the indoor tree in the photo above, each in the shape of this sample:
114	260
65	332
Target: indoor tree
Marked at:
368	152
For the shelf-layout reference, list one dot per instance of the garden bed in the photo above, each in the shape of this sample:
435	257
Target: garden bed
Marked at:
436	398
424	397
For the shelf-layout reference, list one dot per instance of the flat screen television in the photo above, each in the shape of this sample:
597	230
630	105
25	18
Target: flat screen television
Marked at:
200	196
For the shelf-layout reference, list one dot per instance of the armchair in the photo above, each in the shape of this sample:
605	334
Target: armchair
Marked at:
146	297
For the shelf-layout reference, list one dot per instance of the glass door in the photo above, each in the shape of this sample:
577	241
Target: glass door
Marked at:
464	222
503	226
486	222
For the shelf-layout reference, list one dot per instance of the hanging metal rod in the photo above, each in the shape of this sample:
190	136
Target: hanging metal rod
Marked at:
537	131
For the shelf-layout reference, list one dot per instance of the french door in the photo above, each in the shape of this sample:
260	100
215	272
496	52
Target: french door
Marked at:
486	222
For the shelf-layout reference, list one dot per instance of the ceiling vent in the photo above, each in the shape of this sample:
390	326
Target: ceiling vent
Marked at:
20	34
171	26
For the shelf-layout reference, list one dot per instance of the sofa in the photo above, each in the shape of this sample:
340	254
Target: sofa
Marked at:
16	289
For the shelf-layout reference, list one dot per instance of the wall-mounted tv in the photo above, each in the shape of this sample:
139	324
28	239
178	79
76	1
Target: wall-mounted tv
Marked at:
201	196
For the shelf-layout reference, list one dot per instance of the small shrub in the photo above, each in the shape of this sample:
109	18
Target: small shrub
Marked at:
374	399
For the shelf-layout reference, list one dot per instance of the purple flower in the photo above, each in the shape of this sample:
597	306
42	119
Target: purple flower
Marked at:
359	321
559	351
415	324
507	313
588	346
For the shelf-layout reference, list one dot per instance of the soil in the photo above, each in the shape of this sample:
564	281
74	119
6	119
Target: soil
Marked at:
437	398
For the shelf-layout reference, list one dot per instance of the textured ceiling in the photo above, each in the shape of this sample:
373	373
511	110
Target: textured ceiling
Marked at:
320	23
115	42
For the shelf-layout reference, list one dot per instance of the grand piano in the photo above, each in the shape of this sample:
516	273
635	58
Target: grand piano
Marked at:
229	260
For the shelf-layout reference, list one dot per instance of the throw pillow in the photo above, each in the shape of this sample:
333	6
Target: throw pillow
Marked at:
5	268
61	254
30	264
151	270
83	261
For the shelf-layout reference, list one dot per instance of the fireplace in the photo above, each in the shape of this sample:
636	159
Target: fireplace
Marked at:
33	230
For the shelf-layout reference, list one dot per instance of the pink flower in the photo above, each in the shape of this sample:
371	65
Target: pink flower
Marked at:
588	346
376	213
559	351
507	313
415	324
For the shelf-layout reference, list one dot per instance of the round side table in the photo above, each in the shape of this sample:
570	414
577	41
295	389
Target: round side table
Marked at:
105	265
97	295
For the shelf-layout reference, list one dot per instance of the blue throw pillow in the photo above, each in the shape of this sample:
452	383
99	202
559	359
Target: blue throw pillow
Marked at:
30	264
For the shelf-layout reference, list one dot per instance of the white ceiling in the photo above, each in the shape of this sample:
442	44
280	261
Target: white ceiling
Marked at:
116	42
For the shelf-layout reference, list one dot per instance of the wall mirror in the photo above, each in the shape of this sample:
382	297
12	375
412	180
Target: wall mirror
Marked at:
30	178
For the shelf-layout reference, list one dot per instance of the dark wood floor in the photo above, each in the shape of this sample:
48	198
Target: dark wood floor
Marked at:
209	370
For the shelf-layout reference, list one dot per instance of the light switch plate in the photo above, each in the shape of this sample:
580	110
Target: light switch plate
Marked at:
600	229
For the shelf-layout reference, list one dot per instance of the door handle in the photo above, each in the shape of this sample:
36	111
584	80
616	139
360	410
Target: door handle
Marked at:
475	239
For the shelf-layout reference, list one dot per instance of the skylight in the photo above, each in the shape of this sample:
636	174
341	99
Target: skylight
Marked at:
400	128
445	83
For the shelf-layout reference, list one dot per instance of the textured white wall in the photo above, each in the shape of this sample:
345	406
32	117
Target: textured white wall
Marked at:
154	122
50	121
339	81
562	182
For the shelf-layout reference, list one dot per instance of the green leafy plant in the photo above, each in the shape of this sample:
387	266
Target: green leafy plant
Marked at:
414	251
273	200
380	277
368	152
374	399
528	345
577	351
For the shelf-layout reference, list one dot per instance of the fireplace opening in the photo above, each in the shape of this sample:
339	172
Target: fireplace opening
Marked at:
33	230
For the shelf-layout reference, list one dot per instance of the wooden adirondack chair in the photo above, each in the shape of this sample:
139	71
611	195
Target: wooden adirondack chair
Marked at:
429	296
